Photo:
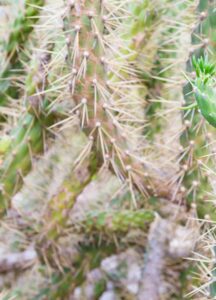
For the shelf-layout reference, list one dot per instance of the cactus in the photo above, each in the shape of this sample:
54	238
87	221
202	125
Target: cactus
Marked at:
99	174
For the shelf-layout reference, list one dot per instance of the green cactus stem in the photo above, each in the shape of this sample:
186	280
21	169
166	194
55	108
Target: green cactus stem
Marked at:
118	221
106	88
194	139
20	31
99	88
26	140
202	87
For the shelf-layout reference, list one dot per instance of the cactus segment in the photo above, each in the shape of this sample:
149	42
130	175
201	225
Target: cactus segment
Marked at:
103	83
108	92
21	28
202	87
36	83
194	138
61	204
27	138
53	173
20	31
118	221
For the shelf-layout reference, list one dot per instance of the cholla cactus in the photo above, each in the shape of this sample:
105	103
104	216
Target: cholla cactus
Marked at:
92	200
